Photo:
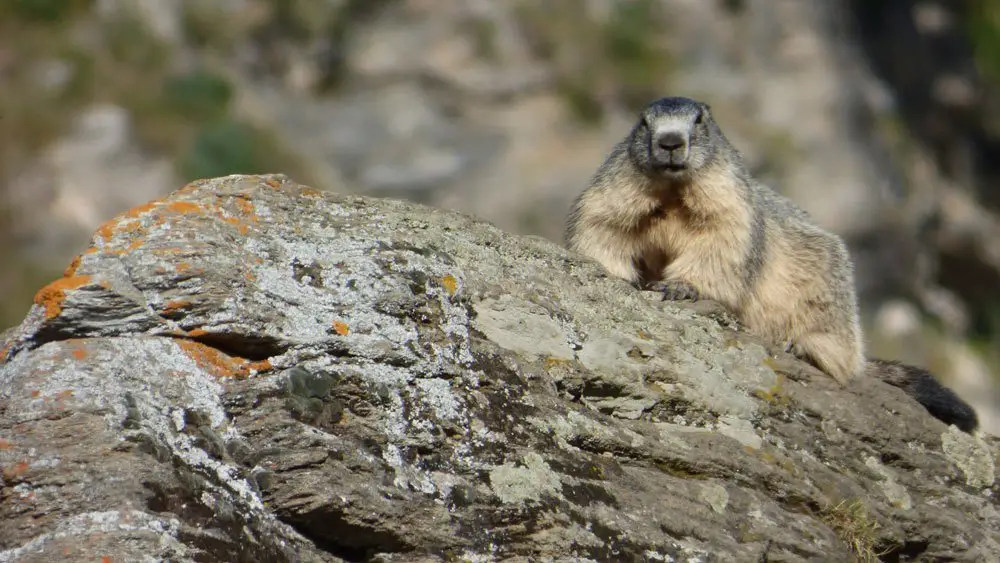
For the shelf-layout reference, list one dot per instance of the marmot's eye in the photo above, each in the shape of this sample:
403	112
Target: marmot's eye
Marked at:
700	118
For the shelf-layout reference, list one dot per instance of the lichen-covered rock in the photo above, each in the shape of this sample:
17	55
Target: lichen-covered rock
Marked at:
251	370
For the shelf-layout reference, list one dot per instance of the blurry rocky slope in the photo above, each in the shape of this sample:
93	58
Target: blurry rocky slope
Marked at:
876	116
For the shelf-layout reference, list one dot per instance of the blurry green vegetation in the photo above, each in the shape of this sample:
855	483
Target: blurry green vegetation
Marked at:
983	29
41	10
618	59
227	147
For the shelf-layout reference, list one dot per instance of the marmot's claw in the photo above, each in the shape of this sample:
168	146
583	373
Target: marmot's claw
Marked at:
675	290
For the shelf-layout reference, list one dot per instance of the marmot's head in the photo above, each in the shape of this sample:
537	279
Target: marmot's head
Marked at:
674	138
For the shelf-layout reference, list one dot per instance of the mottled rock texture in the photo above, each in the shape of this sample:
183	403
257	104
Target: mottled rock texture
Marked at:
252	370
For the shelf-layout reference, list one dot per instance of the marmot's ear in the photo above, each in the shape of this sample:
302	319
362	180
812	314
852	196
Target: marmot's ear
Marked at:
706	110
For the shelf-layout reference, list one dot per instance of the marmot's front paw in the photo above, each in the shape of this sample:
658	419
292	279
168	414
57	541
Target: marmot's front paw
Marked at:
675	290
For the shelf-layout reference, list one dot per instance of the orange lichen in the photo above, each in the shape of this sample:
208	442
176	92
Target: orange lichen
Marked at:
310	192
195	333
35	394
107	230
79	354
273	183
341	328
262	365
184	207
71	269
105	559
246	207
219	364
52	296
6	444
16	470
450	284
175	305
241	226
140	210
209	359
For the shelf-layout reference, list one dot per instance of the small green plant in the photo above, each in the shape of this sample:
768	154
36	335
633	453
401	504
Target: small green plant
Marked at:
983	31
224	147
198	95
43	10
852	523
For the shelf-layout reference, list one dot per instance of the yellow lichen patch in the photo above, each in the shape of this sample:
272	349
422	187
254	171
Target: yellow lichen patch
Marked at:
310	192
51	297
775	395
273	183
183	267
643	334
341	328
450	284
552	362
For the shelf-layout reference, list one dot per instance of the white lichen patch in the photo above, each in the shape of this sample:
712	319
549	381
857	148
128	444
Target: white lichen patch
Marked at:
895	493
522	327
715	496
438	394
107	522
406	476
970	454
740	430
516	484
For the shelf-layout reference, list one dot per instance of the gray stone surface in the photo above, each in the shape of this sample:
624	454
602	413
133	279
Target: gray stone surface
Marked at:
251	370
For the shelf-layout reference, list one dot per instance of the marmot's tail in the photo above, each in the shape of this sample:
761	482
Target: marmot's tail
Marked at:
920	384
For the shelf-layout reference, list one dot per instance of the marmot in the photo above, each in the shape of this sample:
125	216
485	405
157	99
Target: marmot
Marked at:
673	208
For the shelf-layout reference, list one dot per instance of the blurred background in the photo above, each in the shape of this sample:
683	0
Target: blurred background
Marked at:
881	118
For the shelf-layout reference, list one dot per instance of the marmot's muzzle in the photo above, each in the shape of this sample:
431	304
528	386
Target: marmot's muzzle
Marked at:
669	149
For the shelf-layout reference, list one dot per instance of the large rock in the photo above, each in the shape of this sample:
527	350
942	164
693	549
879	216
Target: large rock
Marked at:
251	370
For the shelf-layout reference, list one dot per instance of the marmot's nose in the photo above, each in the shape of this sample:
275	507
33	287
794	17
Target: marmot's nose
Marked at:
671	141
670	148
